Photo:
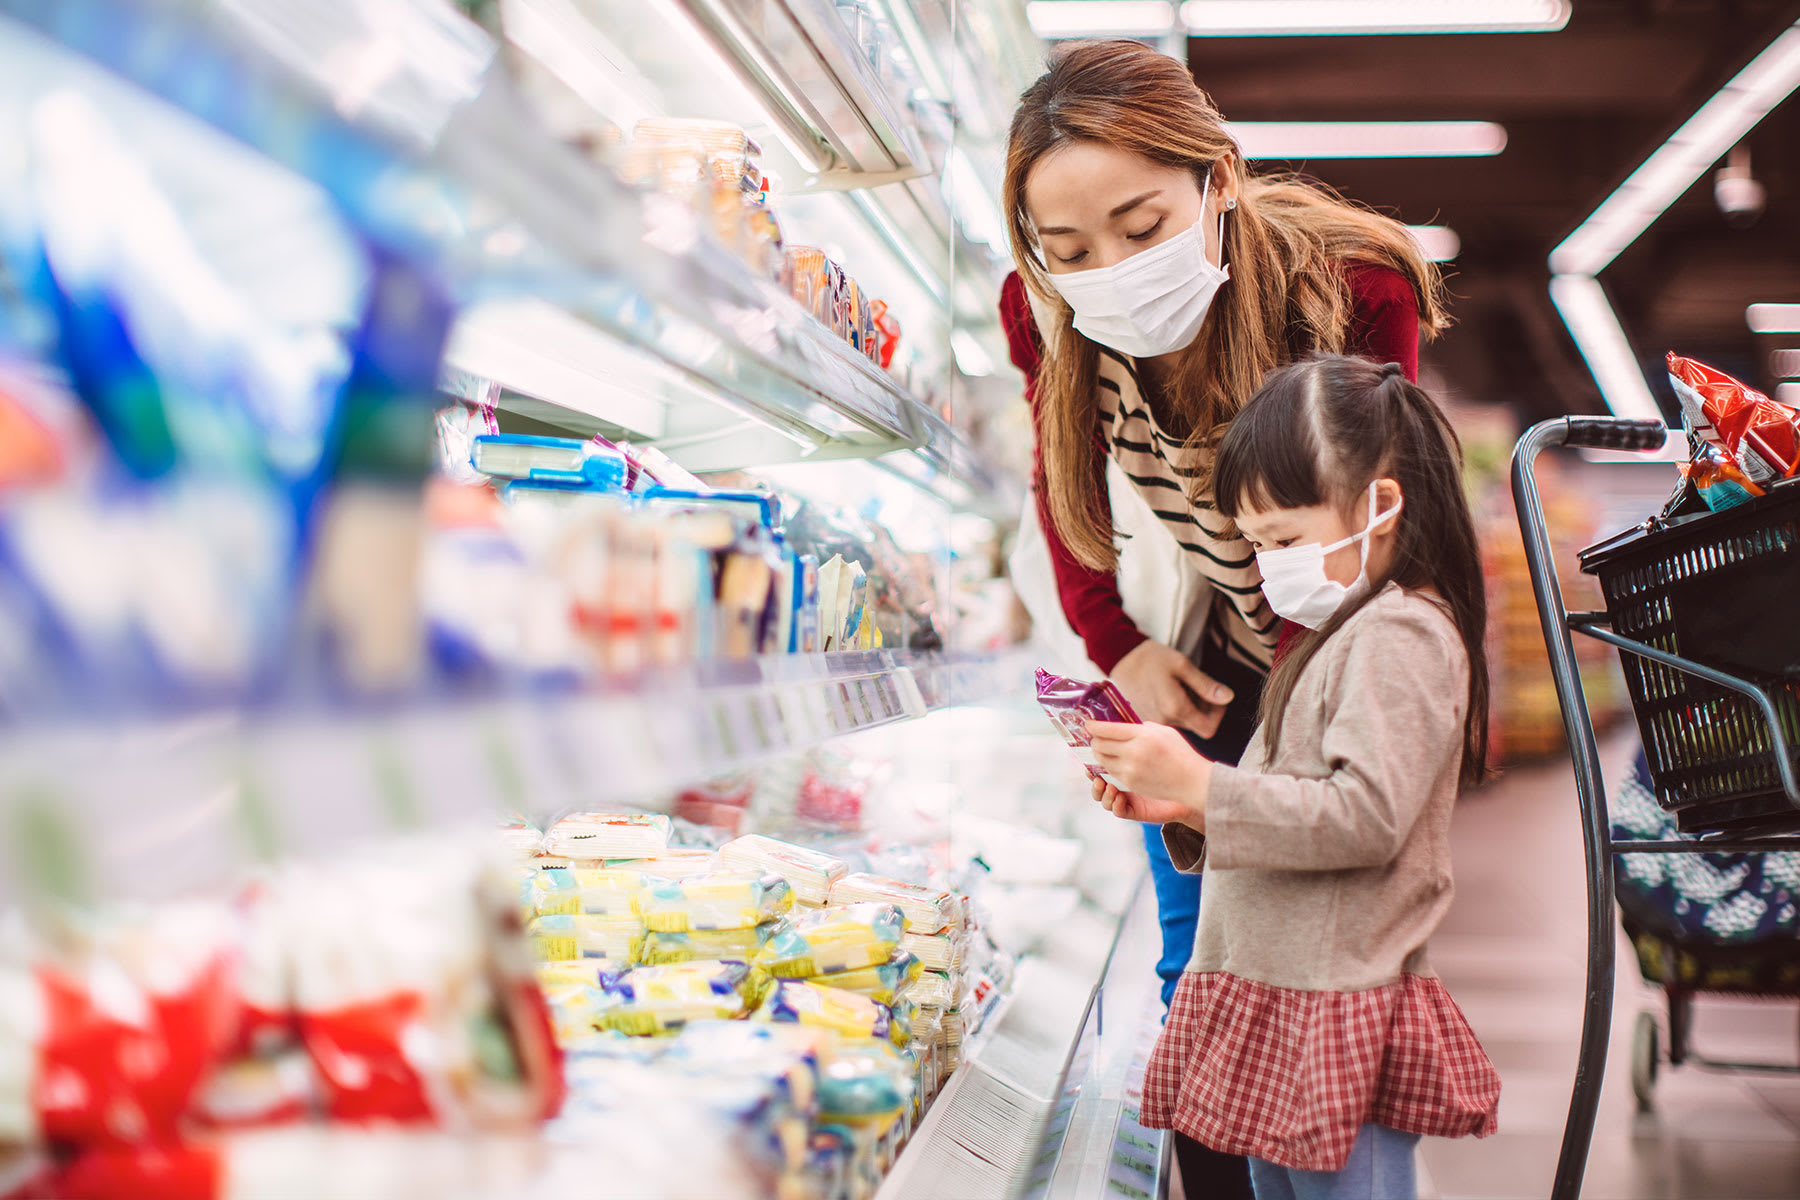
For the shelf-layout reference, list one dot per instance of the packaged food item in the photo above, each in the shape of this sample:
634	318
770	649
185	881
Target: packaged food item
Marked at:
651	1000
927	910
938	951
884	983
683	862
789	1054
845	1013
721	900
812	873
1071	703
834	939
568	936
574	1007
887	333
1718	479
608	835
935	989
552	892
1757	435
522	837
834	587
866	1080
720	803
741	945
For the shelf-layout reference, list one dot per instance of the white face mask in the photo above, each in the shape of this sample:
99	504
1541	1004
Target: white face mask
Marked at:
1294	579
1155	301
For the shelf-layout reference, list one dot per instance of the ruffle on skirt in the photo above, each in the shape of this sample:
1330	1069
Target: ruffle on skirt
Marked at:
1291	1076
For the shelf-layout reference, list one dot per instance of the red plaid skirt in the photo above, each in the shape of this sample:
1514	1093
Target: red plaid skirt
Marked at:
1290	1076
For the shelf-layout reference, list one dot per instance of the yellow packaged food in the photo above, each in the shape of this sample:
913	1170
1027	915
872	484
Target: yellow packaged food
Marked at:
605	893
834	939
927	910
842	1012
866	1082
646	1001
884	983
721	900
551	893
938	951
573	936
573	1007
702	945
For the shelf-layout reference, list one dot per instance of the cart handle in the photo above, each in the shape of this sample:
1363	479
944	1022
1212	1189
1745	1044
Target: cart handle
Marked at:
1614	433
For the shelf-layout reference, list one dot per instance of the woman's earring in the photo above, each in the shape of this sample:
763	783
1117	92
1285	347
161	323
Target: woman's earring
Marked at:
1230	204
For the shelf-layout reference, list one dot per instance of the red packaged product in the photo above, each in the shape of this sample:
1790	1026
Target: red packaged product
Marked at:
1071	704
1758	435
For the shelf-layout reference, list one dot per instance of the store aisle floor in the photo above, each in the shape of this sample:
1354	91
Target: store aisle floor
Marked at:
1513	953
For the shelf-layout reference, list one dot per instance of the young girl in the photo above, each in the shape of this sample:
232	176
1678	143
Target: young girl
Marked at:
1309	1032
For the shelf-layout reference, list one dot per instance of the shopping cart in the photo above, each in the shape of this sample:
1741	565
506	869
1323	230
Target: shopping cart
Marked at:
1721	735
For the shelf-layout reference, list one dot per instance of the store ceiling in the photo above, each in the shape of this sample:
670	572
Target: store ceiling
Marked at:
1582	108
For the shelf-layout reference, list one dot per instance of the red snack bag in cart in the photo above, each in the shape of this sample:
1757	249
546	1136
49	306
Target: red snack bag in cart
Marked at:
1072	703
1754	433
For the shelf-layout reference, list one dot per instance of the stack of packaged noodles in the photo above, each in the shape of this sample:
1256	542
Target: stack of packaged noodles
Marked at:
811	873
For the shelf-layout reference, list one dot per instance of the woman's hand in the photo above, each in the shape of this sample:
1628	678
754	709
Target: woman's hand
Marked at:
1157	766
1131	807
1165	688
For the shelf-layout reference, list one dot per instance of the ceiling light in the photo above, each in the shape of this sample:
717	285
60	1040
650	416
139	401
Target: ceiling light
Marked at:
1295	140
1773	318
1053	19
1282	18
1684	159
1439	243
1789	393
1602	342
1785	364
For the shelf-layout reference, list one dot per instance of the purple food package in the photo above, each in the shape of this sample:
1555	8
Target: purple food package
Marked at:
1071	703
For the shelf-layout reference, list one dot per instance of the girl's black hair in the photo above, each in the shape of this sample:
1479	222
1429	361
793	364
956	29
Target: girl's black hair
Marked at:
1319	432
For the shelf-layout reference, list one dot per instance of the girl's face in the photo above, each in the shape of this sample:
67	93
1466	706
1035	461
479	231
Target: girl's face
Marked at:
1324	524
1096	206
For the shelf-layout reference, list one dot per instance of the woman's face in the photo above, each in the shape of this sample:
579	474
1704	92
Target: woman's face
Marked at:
1095	206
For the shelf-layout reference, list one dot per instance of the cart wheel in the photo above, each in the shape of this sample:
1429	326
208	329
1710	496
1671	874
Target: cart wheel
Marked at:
1644	1060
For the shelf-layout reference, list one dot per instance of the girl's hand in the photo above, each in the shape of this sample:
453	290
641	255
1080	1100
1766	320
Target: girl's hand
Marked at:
1155	763
1164	687
1130	807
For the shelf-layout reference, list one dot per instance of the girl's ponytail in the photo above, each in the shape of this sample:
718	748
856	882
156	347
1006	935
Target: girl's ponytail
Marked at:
1320	432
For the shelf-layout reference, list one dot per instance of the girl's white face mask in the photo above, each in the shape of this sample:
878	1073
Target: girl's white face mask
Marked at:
1294	579
1155	301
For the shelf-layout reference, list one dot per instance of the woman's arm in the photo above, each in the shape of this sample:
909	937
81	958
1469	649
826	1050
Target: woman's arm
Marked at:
1384	316
1090	598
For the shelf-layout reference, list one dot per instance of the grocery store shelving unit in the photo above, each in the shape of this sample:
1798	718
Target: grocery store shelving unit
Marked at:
595	312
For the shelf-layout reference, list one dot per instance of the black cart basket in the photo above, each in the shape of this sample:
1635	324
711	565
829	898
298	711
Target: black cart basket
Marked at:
1702	609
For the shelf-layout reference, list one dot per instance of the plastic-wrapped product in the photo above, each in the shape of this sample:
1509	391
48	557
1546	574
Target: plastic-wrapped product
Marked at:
788	1054
842	1012
570	936
704	945
259	1090
865	1081
675	863
608	835
1752	433
935	989
834	939
813	873
574	1006
721	900
602	893
938	951
552	892
721	803
656	1000
1071	704
884	983
927	910
522	837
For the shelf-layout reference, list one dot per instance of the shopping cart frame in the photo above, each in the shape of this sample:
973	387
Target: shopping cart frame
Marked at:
1608	433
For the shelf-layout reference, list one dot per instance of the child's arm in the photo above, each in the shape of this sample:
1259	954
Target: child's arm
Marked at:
1393	728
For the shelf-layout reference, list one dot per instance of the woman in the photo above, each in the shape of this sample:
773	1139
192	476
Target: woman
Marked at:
1158	283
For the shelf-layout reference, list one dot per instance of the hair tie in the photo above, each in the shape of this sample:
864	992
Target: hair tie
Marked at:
1393	370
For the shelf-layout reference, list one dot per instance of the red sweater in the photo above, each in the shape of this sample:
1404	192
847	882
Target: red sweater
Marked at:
1384	327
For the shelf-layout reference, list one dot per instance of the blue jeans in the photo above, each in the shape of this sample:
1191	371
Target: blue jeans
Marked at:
1178	895
1380	1168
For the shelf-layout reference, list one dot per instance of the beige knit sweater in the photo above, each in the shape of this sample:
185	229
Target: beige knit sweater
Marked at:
1328	868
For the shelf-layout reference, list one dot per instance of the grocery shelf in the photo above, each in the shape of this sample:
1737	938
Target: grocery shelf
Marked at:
155	810
1000	1125
572	297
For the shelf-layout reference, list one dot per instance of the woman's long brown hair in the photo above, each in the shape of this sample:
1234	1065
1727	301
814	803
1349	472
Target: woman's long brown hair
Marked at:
1287	243
1320	432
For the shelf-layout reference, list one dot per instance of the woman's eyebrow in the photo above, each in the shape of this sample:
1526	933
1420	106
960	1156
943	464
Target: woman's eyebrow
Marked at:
1121	210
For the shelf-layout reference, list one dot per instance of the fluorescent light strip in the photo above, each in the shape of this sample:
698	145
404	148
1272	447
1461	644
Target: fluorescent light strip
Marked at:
1785	364
1602	342
1295	140
1285	18
1773	318
1679	162
1789	393
1438	242
1100	18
